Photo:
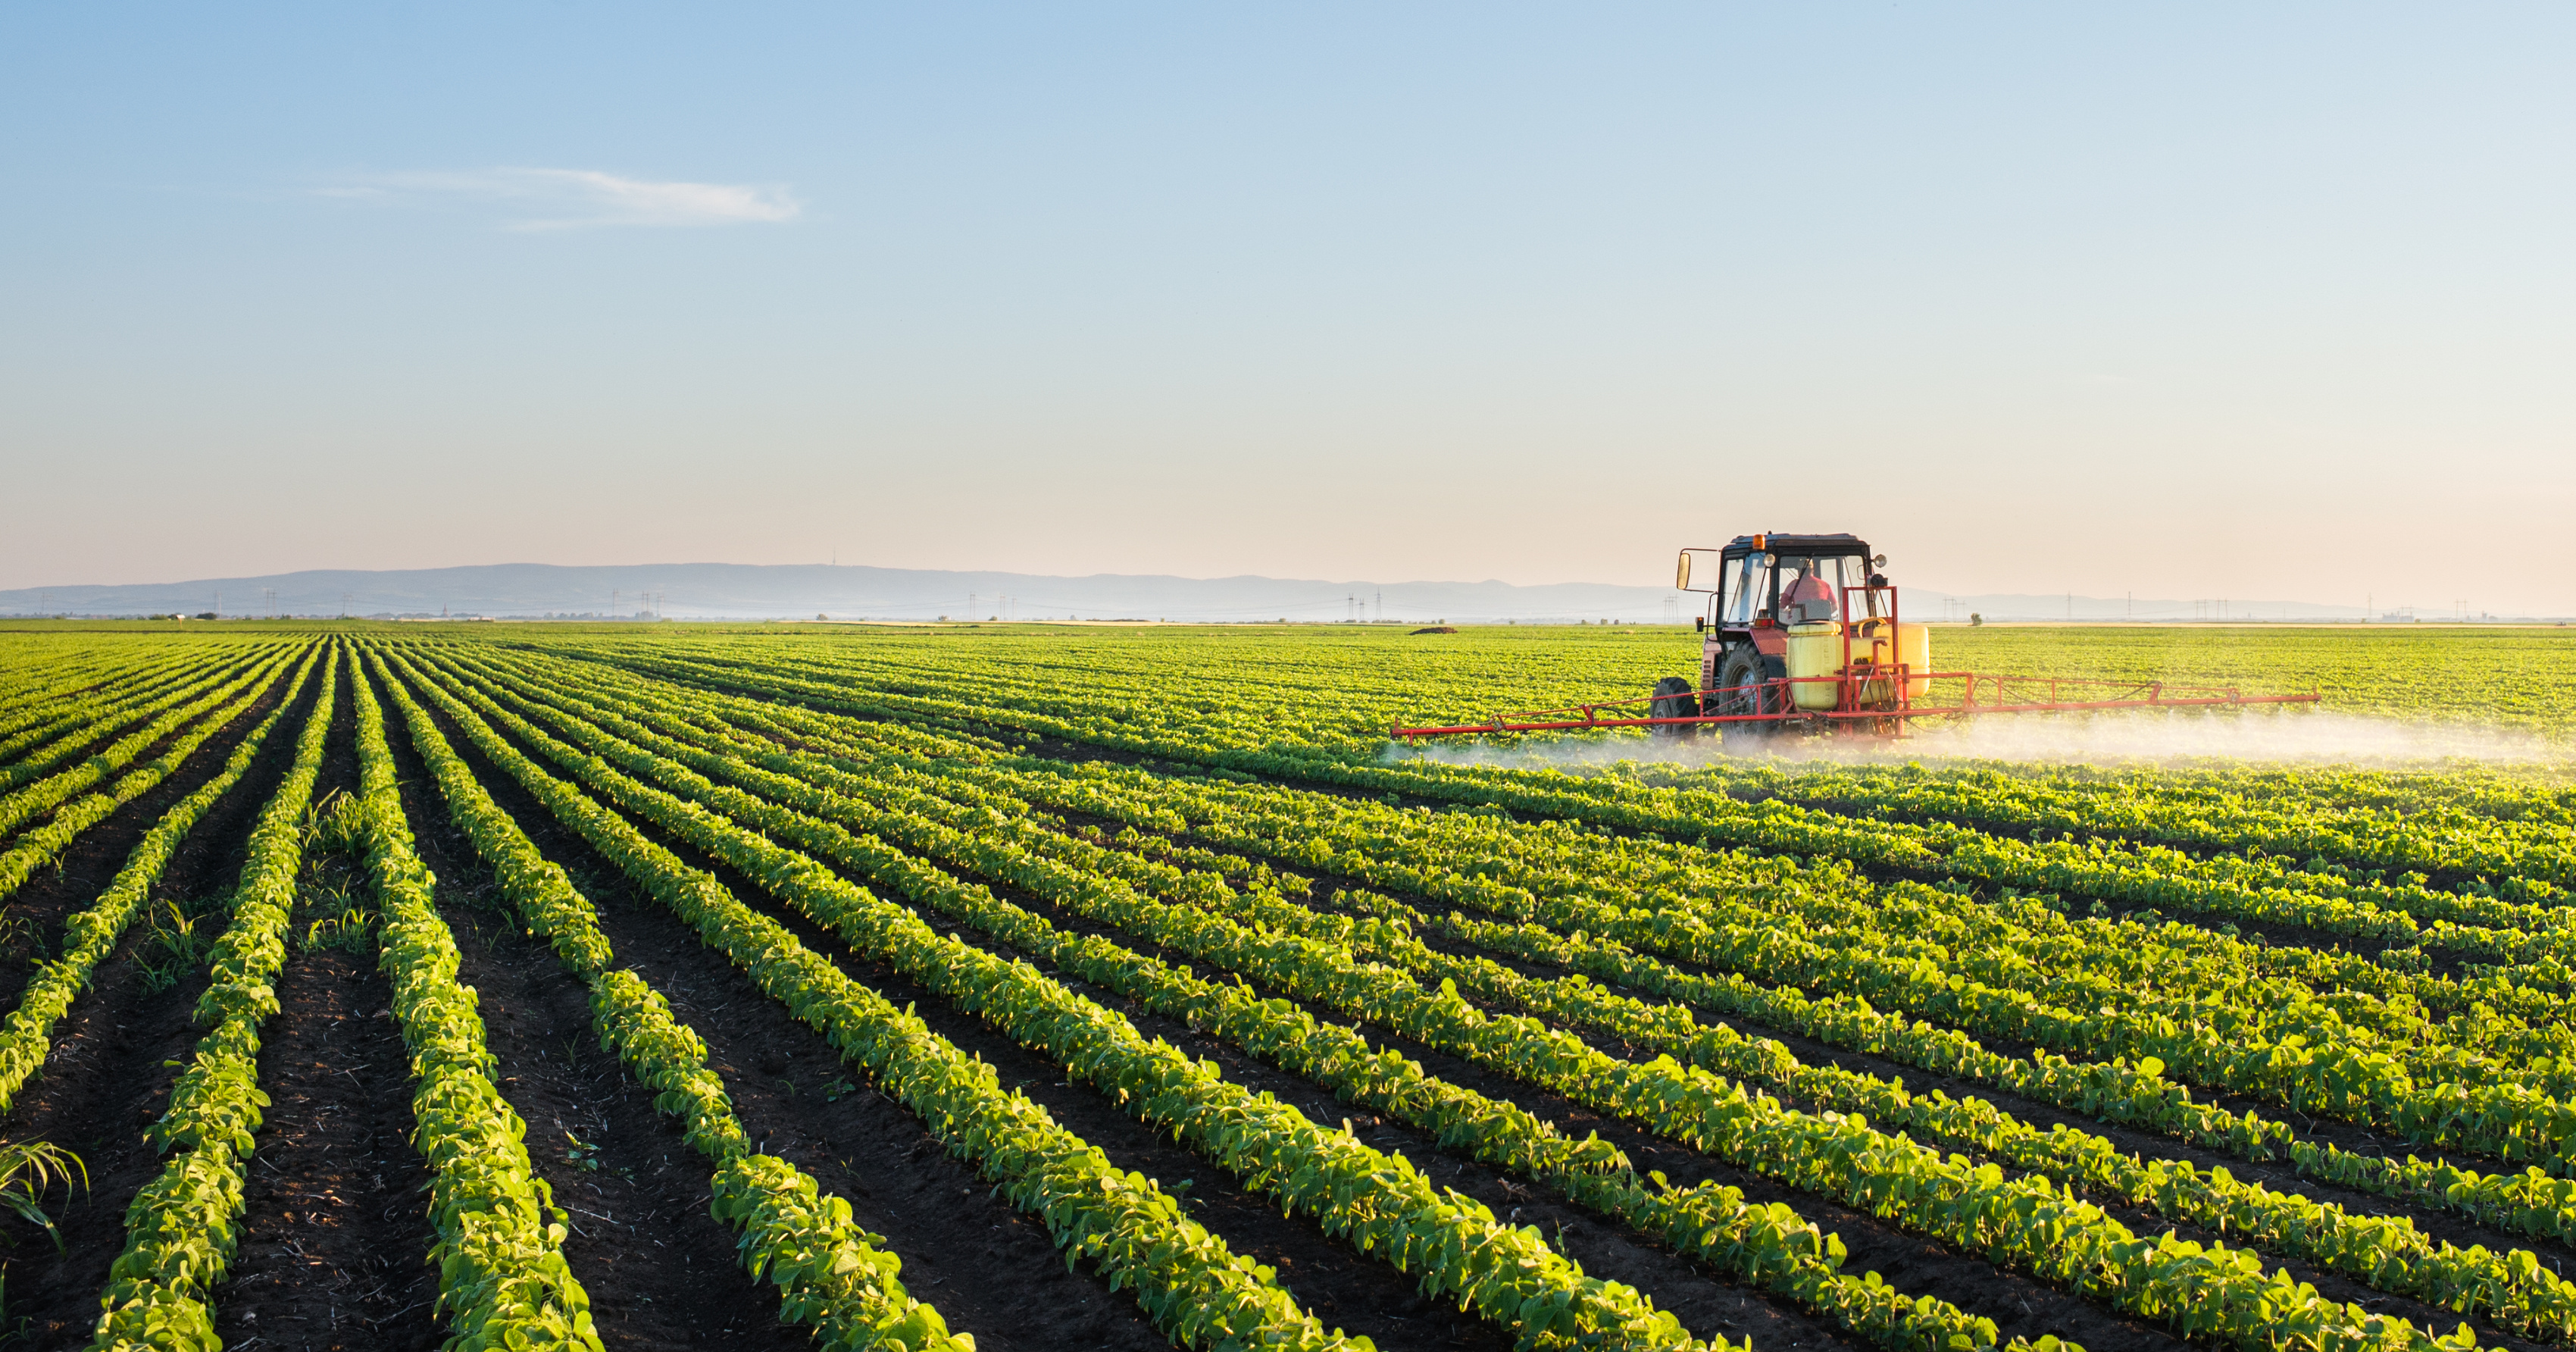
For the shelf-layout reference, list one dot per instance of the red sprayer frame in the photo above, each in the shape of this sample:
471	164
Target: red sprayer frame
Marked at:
1851	706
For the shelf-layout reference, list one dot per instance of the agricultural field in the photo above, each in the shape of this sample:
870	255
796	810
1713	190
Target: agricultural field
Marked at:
1035	987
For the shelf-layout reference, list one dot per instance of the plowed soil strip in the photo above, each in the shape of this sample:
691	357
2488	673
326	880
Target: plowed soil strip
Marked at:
335	1241
660	1269
335	1228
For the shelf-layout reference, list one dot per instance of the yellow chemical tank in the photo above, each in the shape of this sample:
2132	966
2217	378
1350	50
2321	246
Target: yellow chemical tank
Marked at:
1815	650
1909	644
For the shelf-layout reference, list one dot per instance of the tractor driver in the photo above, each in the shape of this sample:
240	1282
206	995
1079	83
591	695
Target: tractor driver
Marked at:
1808	599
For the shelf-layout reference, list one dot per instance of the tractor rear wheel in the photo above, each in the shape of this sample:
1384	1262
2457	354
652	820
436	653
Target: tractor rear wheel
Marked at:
1741	676
1674	698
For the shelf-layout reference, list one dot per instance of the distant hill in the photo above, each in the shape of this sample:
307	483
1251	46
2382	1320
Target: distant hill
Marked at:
740	591
802	591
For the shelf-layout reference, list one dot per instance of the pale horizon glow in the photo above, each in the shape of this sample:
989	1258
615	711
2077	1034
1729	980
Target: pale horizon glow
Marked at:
2191	301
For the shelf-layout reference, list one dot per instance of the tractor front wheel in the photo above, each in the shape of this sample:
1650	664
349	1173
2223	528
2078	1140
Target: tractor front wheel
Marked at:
1674	698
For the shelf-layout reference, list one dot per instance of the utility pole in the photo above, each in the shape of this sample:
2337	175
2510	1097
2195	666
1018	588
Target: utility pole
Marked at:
345	598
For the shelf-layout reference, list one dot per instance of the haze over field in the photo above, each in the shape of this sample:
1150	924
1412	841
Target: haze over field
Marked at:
2190	302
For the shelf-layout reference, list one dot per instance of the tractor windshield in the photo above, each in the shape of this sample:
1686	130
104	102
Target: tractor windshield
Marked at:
1811	590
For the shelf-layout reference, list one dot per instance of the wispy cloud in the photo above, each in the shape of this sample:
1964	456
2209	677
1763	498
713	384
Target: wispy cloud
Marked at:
577	199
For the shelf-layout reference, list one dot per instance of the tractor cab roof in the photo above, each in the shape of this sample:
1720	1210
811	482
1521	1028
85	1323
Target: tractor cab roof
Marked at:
1804	546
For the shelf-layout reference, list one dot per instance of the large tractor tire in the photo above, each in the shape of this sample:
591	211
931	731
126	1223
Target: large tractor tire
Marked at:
1675	698
1745	667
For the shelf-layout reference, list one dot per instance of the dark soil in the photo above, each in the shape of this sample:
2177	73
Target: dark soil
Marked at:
335	1230
335	1236
76	876
656	1263
106	1078
1339	1285
98	734
990	1269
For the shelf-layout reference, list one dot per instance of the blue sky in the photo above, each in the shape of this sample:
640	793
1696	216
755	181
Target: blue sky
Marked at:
2189	300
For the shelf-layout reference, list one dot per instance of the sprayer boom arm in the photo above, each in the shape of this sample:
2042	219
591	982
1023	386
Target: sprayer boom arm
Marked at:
2007	695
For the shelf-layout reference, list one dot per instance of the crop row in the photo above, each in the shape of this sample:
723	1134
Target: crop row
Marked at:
25	803
2386	1252
2177	974
90	935
180	1228
830	1273
2422	837
59	726
82	702
502	1278
41	844
1186	1278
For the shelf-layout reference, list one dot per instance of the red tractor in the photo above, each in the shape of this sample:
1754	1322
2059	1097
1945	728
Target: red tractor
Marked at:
1802	633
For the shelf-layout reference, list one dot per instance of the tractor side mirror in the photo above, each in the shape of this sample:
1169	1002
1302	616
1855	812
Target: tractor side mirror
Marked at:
1681	573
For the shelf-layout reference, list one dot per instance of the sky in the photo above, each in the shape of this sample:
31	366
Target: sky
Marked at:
2256	302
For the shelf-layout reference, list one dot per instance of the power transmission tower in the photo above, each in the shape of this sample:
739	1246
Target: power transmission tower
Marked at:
345	598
